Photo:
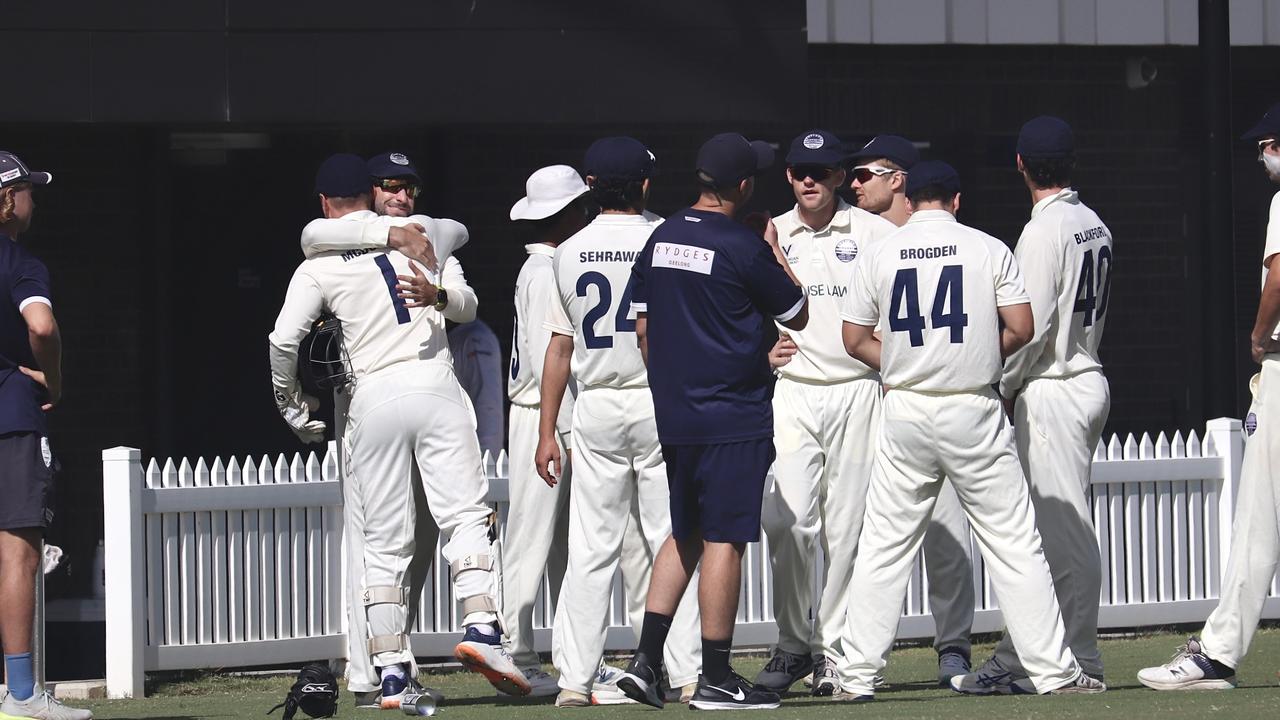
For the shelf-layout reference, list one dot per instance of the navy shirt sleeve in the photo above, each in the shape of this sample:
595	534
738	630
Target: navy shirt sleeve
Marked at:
30	279
638	286
769	286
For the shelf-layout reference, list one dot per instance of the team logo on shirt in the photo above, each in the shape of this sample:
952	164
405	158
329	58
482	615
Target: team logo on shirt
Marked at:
813	141
1250	424
398	158
846	250
683	257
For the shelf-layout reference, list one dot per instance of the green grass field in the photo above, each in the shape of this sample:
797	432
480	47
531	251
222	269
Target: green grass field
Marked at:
911	694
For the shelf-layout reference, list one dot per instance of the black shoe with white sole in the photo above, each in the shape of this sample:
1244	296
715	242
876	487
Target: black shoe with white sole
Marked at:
733	694
642	681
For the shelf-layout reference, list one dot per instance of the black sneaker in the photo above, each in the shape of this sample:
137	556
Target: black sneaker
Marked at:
642	681
733	694
783	670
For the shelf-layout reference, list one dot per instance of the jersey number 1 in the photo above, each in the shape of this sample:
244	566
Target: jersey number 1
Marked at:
948	305
620	321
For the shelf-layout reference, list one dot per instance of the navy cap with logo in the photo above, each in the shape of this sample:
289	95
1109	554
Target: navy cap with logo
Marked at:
894	148
392	165
932	172
729	158
619	158
14	171
1268	126
816	147
343	175
1046	137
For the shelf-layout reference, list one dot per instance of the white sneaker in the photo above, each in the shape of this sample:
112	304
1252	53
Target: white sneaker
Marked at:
1086	684
1190	669
605	691
484	654
993	678
42	705
541	684
571	698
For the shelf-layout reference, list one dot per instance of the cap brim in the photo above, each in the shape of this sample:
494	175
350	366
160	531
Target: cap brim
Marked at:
40	178
1261	130
764	155
524	209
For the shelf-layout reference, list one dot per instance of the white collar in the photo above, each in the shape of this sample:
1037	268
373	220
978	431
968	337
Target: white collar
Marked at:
1065	195
931	216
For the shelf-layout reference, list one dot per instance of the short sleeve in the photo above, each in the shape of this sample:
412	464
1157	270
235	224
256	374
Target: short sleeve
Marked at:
638	286
30	284
556	317
860	305
1273	230
769	287
1010	289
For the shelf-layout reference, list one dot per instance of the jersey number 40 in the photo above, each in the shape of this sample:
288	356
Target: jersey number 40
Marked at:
1095	286
948	305
620	322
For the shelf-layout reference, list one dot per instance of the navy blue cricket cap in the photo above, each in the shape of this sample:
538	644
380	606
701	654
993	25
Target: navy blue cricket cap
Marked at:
392	165
1268	126
894	148
932	172
816	147
343	175
619	158
1046	137
14	171
729	158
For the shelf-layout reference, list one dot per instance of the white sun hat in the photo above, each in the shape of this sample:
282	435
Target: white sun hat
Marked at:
548	191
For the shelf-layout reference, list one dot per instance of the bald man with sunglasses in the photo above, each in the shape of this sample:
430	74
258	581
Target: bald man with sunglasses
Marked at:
879	182
826	409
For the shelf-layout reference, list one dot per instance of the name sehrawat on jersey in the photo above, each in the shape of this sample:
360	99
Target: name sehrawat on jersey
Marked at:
628	256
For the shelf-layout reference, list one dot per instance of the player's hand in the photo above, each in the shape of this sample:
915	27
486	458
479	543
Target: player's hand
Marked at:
547	461
297	415
54	390
782	351
1262	346
417	289
411	241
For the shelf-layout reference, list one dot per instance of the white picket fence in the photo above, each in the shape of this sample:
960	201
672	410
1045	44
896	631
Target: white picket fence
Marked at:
241	563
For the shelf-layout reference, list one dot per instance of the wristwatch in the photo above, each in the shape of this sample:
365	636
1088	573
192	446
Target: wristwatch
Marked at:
442	298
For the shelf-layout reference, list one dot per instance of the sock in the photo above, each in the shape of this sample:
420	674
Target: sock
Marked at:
396	670
1222	669
653	635
715	660
20	675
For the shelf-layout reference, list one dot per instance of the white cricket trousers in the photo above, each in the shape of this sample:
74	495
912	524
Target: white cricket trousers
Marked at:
825	438
537	534
1058	422
412	423
948	565
1255	531
617	461
965	438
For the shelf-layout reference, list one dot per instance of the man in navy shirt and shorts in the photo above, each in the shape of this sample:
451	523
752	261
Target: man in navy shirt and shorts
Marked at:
30	385
705	290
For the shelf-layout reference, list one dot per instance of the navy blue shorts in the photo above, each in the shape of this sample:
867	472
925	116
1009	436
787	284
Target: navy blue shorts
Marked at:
716	490
27	469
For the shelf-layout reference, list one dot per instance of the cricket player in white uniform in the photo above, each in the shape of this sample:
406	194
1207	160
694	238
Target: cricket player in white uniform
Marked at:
940	291
537	530
879	181
826	415
616	454
1057	391
1209	662
395	185
477	361
408	421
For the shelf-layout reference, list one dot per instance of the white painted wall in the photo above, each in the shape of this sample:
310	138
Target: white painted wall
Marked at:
1032	22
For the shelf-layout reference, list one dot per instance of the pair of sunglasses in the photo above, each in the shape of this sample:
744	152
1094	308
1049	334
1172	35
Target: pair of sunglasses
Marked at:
817	172
395	186
864	173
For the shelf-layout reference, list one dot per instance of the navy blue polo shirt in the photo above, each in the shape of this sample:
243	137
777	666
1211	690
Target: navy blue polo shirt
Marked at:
22	277
711	288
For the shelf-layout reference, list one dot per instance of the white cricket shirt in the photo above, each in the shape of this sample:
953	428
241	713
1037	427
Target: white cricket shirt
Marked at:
593	270
1273	242
325	234
535	291
823	260
1065	257
933	287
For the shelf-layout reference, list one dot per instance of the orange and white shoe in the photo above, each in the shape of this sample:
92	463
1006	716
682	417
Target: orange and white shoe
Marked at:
484	654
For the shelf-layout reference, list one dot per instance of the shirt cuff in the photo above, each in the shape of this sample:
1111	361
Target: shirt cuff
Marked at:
557	329
795	310
639	307
872	322
1019	300
34	299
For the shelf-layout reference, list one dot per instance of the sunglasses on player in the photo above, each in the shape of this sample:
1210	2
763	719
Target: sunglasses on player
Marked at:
817	172
864	173
395	186
1268	143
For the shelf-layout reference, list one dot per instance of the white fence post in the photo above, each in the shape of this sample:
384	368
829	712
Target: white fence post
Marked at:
1227	438
123	547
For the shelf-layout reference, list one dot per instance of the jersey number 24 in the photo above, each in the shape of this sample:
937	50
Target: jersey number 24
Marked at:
948	305
620	322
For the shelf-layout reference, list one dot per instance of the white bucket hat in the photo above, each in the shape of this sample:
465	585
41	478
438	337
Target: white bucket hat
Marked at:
548	191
